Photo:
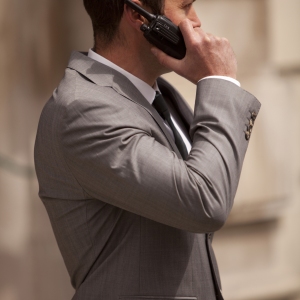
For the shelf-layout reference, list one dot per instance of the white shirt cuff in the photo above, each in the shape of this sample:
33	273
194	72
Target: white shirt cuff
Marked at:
224	78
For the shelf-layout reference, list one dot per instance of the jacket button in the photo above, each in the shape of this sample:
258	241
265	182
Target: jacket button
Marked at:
247	135
253	116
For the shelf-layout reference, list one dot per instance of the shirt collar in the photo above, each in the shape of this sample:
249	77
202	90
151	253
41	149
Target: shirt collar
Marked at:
145	89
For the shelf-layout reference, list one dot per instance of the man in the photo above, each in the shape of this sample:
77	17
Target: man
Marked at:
132	211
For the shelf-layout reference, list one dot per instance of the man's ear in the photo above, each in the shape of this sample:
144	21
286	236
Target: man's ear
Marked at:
133	17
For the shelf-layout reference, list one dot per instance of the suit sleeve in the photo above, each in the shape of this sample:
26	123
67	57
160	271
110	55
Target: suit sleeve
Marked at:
122	164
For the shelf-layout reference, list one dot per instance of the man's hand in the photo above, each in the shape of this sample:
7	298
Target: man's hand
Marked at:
206	55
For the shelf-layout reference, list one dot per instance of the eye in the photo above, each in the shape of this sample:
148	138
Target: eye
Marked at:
188	5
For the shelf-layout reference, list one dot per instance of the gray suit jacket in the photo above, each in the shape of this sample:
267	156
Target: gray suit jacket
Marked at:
129	215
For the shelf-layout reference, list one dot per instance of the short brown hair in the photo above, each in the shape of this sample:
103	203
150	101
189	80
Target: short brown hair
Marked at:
106	15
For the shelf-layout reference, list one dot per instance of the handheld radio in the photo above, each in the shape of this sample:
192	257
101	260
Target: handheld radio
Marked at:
161	32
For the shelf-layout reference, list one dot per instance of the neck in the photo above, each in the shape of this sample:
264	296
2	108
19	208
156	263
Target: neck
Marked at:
133	60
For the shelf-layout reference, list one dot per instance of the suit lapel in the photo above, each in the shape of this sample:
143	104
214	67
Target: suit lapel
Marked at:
103	75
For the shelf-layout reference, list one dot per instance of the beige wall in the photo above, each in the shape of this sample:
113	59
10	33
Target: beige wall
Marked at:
258	250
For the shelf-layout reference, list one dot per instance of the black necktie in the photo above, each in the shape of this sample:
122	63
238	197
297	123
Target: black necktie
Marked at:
160	105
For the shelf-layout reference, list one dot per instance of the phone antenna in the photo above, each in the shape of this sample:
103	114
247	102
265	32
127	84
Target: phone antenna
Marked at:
140	10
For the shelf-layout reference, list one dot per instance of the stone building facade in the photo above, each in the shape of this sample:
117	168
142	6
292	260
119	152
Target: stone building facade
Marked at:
258	249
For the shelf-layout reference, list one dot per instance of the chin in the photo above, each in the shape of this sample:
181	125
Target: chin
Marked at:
160	68
154	66
166	70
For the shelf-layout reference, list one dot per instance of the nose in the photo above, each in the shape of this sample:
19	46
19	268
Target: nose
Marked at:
192	16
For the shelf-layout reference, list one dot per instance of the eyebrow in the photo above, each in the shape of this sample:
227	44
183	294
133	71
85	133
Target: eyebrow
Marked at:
185	2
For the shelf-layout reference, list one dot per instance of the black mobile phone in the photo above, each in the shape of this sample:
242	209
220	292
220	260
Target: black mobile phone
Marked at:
161	32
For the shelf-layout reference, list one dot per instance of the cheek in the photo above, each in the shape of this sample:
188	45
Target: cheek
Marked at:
176	16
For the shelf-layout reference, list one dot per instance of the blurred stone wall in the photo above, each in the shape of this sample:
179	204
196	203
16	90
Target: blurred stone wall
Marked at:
258	250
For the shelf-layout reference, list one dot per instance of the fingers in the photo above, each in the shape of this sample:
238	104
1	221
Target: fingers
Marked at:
206	55
216	39
191	34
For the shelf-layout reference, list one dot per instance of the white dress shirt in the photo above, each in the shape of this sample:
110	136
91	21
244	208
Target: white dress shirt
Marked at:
147	91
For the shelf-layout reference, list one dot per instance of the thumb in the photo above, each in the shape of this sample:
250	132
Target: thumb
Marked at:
164	59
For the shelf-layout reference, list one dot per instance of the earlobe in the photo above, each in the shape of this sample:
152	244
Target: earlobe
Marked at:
133	17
